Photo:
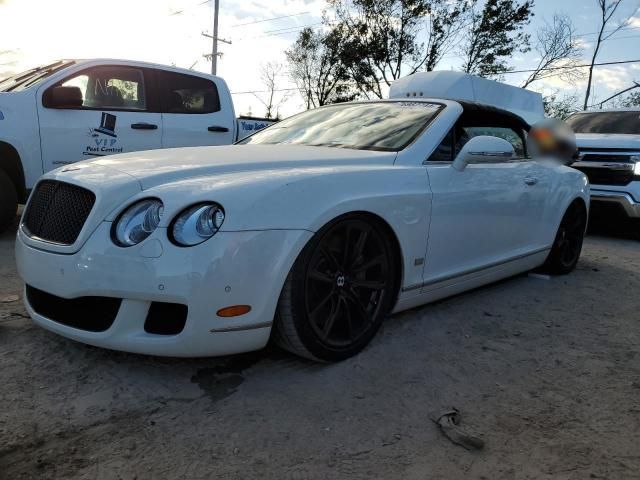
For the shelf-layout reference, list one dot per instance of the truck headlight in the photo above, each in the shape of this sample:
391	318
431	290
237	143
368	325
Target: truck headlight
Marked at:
636	169
137	222
196	224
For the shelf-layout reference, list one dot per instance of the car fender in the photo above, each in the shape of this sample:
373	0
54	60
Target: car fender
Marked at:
308	199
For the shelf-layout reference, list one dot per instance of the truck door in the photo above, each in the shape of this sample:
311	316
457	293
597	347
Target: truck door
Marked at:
115	117
195	111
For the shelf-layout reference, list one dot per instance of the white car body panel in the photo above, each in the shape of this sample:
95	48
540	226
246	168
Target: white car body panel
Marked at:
275	198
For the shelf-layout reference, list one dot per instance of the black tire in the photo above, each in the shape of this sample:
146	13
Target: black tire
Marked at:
338	292
565	252
8	201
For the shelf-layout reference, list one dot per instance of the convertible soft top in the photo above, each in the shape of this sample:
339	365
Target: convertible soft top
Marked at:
464	87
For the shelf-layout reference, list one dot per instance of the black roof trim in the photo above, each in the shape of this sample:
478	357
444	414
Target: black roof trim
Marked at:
473	107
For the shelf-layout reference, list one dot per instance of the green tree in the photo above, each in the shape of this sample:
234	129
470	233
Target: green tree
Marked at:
560	107
378	40
632	100
316	69
496	32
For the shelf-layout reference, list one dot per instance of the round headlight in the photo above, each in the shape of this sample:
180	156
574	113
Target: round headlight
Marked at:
197	224
138	222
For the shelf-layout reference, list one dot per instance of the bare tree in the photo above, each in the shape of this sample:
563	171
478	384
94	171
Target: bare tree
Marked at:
560	107
557	46
622	92
274	97
608	9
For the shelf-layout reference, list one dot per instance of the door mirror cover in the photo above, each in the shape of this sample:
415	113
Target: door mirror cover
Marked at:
483	149
63	97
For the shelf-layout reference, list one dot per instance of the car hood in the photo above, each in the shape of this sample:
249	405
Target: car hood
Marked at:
608	140
158	167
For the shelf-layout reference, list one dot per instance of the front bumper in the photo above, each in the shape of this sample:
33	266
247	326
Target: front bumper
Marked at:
232	268
623	199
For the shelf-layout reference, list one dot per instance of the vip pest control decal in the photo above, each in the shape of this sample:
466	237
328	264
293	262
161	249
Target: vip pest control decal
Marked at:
104	137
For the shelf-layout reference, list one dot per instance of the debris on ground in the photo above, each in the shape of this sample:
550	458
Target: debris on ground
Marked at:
9	298
449	423
539	276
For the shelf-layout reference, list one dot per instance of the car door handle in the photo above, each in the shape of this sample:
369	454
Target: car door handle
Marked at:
530	181
217	128
144	126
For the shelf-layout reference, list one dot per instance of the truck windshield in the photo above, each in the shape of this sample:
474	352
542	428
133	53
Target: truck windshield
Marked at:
33	76
606	122
385	126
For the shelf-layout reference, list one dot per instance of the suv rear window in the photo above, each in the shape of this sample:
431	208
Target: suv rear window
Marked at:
181	93
606	122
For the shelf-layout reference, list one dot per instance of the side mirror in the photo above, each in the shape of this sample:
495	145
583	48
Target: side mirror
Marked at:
63	97
483	149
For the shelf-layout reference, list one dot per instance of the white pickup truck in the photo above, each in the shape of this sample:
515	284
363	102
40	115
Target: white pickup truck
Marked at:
74	110
609	145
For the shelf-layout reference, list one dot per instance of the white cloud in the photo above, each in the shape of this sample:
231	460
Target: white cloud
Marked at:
634	22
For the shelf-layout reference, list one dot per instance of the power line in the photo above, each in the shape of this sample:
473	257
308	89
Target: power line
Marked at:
511	71
573	66
269	19
282	31
178	12
630	27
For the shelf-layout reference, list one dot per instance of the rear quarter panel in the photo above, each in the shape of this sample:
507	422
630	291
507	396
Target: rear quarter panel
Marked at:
566	184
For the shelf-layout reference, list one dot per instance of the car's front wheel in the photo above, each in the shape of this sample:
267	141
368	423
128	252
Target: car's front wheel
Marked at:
339	290
8	201
567	245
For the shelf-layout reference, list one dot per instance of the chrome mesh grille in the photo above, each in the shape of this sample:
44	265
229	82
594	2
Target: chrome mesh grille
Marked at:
57	211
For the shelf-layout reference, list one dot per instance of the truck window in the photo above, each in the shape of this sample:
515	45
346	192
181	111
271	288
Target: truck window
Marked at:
181	93
110	88
606	122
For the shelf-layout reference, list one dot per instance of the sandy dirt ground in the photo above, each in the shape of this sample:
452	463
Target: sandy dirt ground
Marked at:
546	372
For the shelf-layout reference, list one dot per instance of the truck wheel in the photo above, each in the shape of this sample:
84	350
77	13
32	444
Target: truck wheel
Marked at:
8	201
567	246
338	292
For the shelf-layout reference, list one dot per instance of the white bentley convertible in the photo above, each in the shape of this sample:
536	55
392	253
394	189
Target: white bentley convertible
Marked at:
311	232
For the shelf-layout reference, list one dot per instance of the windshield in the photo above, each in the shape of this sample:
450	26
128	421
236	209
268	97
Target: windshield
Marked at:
386	126
31	77
606	122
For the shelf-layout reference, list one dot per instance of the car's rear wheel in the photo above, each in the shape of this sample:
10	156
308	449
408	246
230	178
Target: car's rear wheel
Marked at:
567	246
339	290
8	201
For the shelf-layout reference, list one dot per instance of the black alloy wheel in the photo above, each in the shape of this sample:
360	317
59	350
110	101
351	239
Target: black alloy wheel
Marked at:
339	291
567	246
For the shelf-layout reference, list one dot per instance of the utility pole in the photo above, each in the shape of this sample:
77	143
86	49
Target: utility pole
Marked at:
214	39
214	50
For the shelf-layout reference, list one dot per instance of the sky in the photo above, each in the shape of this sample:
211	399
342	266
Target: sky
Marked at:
33	32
